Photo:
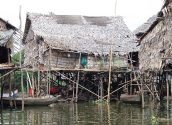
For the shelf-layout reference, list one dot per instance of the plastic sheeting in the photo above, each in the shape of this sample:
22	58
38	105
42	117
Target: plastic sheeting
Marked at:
5	36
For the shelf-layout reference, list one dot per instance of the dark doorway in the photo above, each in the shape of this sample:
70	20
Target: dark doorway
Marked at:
3	55
135	59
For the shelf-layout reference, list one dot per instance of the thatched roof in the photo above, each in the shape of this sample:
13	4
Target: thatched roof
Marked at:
7	34
153	21
144	27
156	46
81	33
9	26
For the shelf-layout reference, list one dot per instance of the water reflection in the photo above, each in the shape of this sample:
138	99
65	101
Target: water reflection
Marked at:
90	114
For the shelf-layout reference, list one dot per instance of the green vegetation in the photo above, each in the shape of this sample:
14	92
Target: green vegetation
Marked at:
17	75
16	58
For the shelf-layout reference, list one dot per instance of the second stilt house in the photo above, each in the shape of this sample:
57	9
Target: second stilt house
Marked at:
155	50
66	42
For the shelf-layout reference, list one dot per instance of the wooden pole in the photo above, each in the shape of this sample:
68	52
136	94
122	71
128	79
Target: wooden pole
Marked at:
22	86
10	92
27	82
47	82
101	91
76	100
142	92
167	83
110	68
110	62
171	84
38	82
49	73
9	60
1	94
32	87
73	91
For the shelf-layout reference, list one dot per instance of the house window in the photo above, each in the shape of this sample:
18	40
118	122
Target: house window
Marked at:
3	55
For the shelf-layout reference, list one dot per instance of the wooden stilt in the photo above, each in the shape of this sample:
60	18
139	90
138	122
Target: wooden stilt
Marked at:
10	92
27	83
167	83
76	94
15	105
73	91
131	83
49	71
47	82
76	98
171	83
101	89
38	86
110	68
32	87
142	92
22	86
2	88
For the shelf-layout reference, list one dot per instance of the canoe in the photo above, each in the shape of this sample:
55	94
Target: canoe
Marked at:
30	101
130	98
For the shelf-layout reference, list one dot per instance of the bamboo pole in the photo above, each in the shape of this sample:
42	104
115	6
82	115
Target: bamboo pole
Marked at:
142	92
171	84
110	62
47	82
10	92
9	60
49	68
101	91
27	85
109	114
38	86
22	86
32	87
1	94
110	68
76	99
167	83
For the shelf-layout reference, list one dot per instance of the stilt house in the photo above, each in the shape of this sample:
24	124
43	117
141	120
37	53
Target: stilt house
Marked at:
156	46
63	42
6	43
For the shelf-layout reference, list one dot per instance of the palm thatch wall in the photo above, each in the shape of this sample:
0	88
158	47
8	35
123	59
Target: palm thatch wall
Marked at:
68	36
156	46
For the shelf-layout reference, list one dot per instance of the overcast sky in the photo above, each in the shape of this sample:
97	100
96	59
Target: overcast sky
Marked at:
135	12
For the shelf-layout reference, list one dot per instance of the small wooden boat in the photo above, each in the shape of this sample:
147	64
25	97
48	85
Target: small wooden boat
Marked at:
30	101
130	98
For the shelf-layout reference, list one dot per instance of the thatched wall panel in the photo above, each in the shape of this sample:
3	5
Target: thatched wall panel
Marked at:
156	45
31	59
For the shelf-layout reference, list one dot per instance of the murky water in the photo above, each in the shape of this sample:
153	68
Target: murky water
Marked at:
90	114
